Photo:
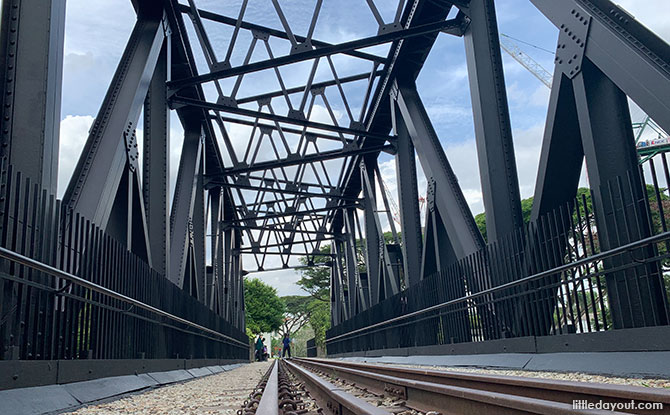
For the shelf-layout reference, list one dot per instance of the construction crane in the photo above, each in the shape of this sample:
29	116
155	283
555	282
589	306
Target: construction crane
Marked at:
395	211
508	44
645	148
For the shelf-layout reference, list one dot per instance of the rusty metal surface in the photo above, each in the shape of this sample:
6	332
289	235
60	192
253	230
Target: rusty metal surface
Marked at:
268	404
549	389
424	395
332	398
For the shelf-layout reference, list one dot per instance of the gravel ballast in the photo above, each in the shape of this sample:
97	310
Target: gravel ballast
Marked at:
570	376
223	393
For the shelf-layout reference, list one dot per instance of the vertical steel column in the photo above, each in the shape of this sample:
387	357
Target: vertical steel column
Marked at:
238	282
184	201
408	198
227	300
636	295
351	263
105	156
373	239
156	165
342	300
199	220
558	175
335	287
493	133
216	249
31	69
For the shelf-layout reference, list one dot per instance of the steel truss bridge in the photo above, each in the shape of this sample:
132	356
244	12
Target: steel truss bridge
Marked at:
282	133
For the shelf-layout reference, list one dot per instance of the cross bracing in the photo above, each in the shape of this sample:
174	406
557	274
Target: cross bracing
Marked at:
284	123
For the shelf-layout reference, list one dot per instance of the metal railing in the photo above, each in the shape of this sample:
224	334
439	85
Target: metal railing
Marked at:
68	290
557	275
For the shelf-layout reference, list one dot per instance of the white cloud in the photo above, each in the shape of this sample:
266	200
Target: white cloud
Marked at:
651	13
284	281
73	133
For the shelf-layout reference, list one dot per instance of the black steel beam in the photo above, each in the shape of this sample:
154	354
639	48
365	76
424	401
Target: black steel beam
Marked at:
280	228
493	131
562	156
408	200
32	33
628	53
277	190
255	250
273	32
184	202
300	89
454	210
373	239
156	165
296	159
420	30
109	150
636	297
284	129
405	58
274	117
289	213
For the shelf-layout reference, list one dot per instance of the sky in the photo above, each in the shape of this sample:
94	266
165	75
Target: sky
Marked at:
97	31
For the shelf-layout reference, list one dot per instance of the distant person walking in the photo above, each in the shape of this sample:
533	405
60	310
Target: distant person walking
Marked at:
287	346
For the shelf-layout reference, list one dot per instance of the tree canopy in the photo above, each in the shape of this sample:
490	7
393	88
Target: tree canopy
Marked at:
527	207
296	315
315	279
264	310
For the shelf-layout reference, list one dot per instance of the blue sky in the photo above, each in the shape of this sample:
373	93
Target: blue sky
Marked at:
97	31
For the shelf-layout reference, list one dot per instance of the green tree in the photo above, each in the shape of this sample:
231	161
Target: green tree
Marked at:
319	320
264	310
315	277
527	207
296	315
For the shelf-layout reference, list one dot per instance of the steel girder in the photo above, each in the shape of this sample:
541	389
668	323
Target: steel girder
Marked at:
439	26
187	204
603	55
156	162
31	66
373	239
624	50
236	194
96	189
456	216
410	219
493	132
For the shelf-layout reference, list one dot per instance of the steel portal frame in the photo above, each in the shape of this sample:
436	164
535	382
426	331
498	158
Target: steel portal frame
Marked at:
290	168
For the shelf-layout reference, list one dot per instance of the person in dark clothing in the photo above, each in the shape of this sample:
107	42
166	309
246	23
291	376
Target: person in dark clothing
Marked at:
259	348
287	346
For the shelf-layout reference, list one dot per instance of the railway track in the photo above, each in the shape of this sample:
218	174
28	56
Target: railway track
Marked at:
318	386
289	389
465	393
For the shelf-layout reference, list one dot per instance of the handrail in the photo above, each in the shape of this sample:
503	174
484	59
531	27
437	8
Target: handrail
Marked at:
597	257
40	266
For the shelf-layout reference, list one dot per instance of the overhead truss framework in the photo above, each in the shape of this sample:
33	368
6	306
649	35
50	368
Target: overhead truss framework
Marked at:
284	125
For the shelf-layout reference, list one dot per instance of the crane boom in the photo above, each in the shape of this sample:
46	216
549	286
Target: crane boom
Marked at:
526	61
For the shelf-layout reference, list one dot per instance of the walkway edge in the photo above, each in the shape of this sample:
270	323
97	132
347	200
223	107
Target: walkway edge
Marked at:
57	398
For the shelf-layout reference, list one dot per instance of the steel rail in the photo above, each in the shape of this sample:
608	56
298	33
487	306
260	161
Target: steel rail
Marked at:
429	396
42	267
597	257
538	388
333	397
269	404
